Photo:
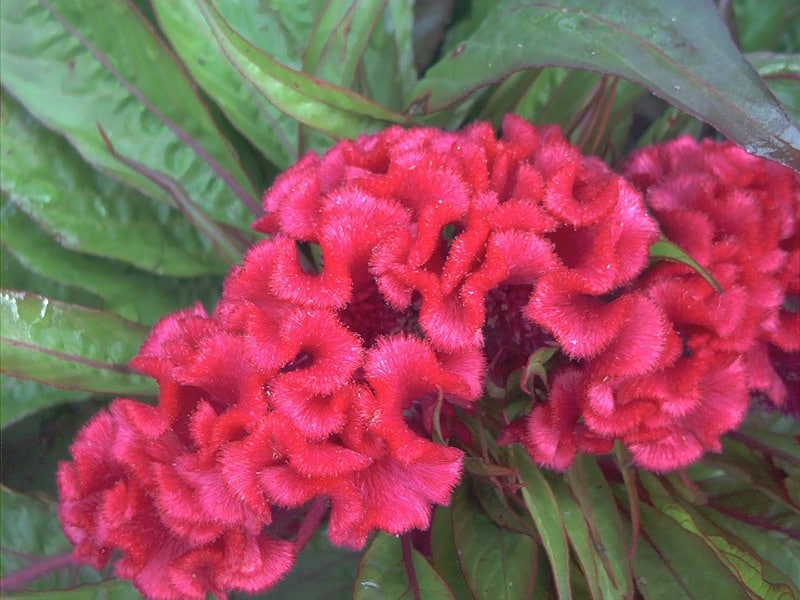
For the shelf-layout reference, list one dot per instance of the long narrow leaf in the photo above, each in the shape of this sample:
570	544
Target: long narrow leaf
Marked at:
544	509
266	127
680	50
77	64
333	110
133	294
69	346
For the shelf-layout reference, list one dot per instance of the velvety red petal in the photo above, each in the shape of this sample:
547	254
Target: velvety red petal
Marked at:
399	497
583	324
326	353
550	435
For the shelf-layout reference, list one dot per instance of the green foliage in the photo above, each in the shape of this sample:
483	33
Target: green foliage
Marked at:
136	136
69	346
383	574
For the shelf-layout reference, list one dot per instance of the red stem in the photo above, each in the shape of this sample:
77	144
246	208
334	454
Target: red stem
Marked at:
408	560
314	516
38	568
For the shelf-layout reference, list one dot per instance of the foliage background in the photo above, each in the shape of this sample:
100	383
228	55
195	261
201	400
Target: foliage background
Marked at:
137	137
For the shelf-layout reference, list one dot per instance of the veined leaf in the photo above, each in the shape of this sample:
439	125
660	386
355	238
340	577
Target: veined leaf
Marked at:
340	37
740	561
31	532
586	552
609	532
30	528
679	50
265	126
387	72
776	547
79	63
445	553
545	511
671	562
382	574
70	346
15	276
498	564
130	293
330	109
22	398
86	211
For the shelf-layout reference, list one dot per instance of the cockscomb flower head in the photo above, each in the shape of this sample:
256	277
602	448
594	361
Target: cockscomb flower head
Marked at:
736	214
401	269
685	357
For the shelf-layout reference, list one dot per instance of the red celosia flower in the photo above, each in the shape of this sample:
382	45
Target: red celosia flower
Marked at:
182	533
667	365
750	239
445	255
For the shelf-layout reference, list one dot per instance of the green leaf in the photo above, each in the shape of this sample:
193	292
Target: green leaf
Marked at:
749	471
330	109
130	293
31	533
321	571
13	275
445	553
107	590
608	530
30	529
387	72
546	514
22	398
272	132
79	64
497	563
762	24
87	212
341	33
739	560
382	573
679	50
781	73
671	562
776	547
70	346
587	554
663	249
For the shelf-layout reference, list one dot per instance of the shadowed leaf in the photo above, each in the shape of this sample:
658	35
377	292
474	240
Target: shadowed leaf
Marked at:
382	574
679	50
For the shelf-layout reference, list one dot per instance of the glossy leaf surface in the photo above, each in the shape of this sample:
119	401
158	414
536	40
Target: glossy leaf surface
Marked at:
382	574
679	50
497	563
79	64
88	212
70	346
131	293
332	110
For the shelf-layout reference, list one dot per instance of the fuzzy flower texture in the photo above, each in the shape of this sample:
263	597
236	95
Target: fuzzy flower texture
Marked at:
442	259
